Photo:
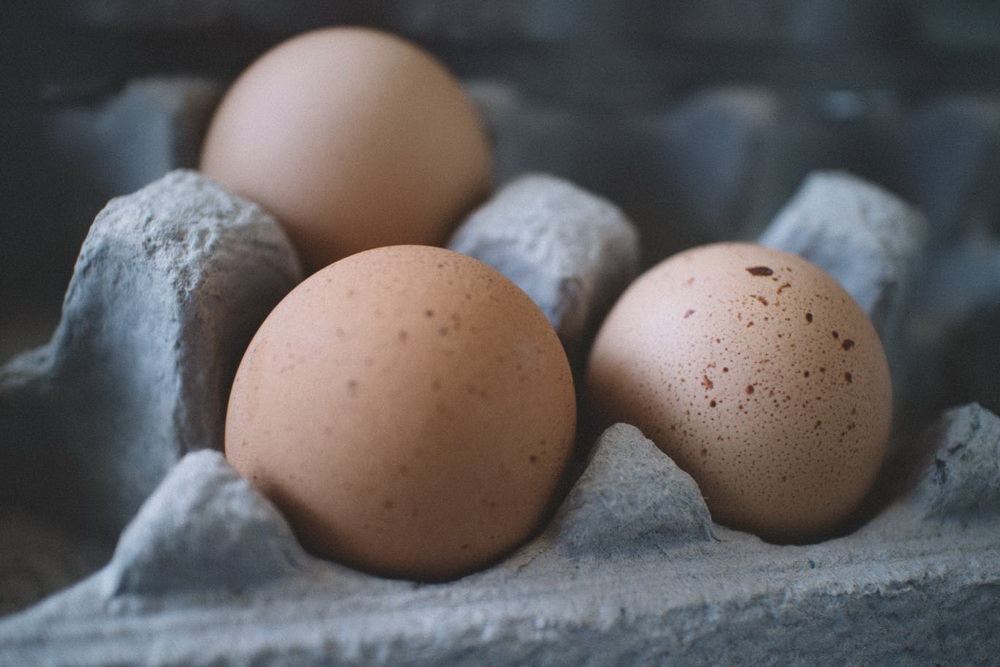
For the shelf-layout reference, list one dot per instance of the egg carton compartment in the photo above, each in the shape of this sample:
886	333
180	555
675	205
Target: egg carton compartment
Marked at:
173	280
128	539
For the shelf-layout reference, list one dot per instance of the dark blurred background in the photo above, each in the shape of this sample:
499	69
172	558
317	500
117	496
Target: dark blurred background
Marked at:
698	117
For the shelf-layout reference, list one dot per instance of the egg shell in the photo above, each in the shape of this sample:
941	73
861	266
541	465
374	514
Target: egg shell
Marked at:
409	409
759	375
353	139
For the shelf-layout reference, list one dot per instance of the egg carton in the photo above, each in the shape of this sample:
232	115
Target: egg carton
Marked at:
115	427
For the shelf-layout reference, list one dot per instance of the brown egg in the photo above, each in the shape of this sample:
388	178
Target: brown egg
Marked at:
760	376
353	139
409	409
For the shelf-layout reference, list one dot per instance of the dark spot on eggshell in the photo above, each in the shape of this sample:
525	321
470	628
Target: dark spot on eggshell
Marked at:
809	318
847	344
762	300
849	378
750	389
759	270
533	459
708	384
835	334
688	314
352	387
428	313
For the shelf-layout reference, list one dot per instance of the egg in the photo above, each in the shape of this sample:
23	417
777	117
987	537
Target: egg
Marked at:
353	139
410	411
760	376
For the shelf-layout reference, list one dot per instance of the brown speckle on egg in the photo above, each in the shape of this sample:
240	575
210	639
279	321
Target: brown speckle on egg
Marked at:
787	449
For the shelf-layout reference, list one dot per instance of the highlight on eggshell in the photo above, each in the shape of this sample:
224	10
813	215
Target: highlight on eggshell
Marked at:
353	139
760	376
409	409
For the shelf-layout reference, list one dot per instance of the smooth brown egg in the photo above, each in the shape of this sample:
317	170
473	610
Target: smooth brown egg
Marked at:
353	139
760	376
409	409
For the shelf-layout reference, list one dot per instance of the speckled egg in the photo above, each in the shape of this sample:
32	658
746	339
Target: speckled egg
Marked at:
760	376
409	409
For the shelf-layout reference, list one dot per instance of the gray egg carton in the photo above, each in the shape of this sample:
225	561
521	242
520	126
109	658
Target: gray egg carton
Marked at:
115	428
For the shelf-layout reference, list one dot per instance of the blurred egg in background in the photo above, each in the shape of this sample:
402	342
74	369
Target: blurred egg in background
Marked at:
353	139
